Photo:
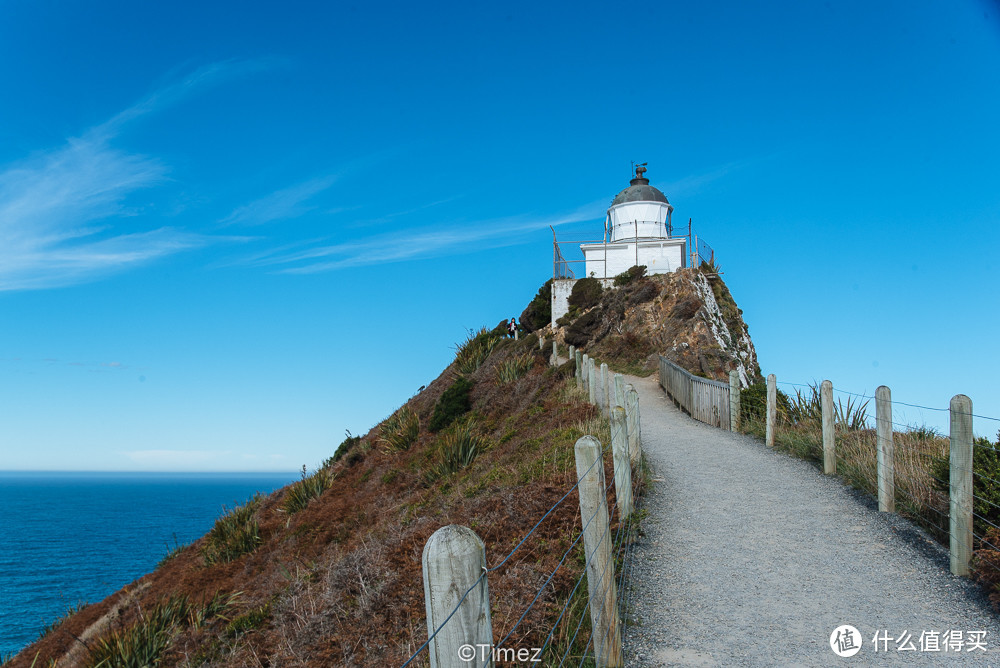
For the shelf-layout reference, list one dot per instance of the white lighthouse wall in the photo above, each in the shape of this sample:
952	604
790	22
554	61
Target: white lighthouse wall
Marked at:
659	257
638	219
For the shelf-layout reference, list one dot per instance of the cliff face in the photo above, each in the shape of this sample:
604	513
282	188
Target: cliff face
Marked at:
688	316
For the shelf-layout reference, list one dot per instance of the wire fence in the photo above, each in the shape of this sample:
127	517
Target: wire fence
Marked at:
560	267
571	638
694	252
705	254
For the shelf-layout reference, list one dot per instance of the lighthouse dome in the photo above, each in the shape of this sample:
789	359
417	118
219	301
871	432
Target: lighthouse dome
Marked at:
639	211
639	190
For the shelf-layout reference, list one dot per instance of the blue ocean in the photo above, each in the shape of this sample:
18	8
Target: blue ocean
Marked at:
72	537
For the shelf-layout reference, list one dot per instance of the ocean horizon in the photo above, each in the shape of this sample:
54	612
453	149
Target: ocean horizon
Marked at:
79	536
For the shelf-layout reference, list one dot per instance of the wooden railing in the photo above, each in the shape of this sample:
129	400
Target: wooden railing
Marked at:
705	400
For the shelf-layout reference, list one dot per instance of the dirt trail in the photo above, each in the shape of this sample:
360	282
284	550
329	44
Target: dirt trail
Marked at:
751	557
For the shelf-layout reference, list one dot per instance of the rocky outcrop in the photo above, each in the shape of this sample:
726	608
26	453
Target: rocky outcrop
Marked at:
688	316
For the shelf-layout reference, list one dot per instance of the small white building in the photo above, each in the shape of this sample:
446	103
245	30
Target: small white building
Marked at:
637	231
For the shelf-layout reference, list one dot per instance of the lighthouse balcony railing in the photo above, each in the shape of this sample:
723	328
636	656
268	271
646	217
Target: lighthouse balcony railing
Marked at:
698	252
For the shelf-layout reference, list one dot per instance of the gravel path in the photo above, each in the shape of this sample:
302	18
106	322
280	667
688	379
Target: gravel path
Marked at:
752	558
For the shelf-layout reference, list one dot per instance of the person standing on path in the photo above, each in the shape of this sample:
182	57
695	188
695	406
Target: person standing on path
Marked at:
511	328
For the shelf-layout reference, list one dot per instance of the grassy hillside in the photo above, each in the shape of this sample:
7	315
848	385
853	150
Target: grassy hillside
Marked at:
328	571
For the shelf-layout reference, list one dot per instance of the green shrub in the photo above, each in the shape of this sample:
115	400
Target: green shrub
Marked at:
539	312
583	328
586	293
454	403
511	369
302	492
629	275
985	482
400	429
458	450
753	403
471	353
235	533
345	446
249	621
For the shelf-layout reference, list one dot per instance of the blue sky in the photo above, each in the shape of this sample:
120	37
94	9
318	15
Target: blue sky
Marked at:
230	231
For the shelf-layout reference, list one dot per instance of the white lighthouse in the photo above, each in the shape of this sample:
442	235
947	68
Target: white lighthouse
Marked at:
637	232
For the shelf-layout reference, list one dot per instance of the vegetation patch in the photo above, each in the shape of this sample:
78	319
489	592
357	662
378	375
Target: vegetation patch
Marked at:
513	368
454	403
172	552
629	275
753	403
400	430
477	347
235	533
985	483
458	450
346	446
249	621
302	492
143	642
586	293
539	312
583	328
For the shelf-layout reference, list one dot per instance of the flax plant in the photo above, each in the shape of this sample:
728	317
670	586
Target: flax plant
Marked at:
399	430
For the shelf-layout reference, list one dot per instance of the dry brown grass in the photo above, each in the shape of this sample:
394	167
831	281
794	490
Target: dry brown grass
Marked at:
342	576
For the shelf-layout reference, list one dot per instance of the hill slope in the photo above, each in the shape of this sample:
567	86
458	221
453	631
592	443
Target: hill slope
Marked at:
290	580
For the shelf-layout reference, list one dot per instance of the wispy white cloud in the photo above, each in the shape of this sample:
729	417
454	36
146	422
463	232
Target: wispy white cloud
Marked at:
398	247
281	204
58	207
694	182
180	87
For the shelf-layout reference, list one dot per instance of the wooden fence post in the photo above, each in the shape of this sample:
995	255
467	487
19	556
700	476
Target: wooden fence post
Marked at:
605	390
619	390
601	584
960	483
592	381
886	469
621	458
634	427
829	447
454	561
772	409
734	401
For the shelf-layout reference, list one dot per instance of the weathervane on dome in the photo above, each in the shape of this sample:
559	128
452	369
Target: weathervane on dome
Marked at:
640	169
